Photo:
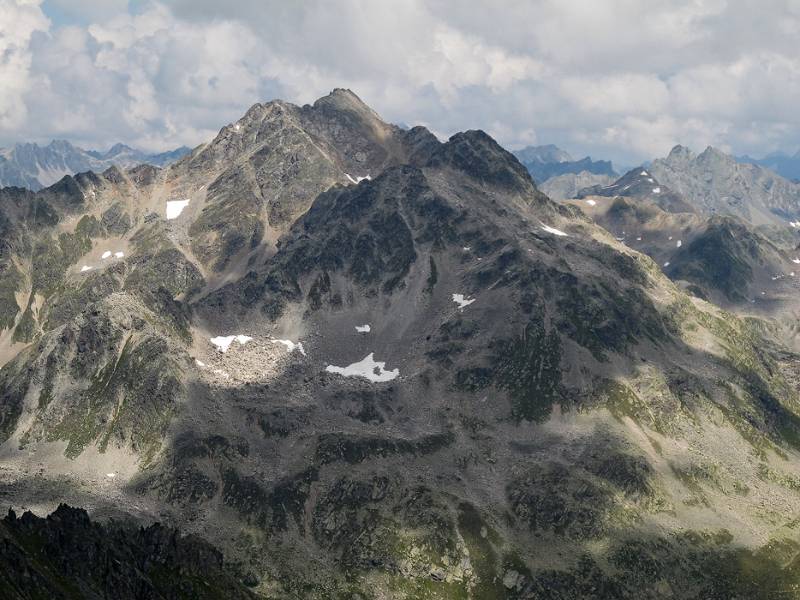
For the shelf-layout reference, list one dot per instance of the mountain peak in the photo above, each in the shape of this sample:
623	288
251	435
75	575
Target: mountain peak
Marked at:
680	152
344	100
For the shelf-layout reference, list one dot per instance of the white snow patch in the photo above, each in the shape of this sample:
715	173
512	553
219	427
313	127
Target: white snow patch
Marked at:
85	268
552	230
670	237
794	223
237	127
175	208
462	301
666	264
467	248
291	346
199	363
591	202
119	254
363	328
357	179
651	180
794	260
368	368
679	244
106	254
657	190
643	173
111	475
223	342
639	239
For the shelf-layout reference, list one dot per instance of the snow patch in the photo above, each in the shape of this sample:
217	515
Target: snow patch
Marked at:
199	363
358	179
106	254
679	244
591	202
175	208
291	346
794	260
368	369
462	301
657	190
553	230
223	342
85	268
666	264
363	328
119	254
643	173
111	475
794	223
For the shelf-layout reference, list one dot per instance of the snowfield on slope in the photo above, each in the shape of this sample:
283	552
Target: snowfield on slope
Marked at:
175	208
367	368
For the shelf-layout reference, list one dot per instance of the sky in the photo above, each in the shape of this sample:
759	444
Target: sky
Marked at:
616	79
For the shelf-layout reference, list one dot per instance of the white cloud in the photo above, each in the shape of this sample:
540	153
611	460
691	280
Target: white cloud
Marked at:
616	78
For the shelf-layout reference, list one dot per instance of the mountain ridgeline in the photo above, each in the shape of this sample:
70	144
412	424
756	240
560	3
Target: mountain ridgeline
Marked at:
33	167
365	363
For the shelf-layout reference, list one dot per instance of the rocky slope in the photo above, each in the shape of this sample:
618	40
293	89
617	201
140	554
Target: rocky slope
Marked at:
66	556
714	182
365	363
33	167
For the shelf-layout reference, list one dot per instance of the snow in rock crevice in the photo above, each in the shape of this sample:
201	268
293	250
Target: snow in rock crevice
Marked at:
553	230
223	342
363	328
106	254
462	301
291	346
358	179
119	254
656	190
175	208
679	244
85	268
368	368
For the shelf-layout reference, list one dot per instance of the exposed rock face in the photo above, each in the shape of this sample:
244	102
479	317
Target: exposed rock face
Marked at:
34	167
716	183
535	410
66	556
546	162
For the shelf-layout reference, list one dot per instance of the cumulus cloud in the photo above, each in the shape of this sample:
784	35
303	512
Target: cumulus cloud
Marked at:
619	79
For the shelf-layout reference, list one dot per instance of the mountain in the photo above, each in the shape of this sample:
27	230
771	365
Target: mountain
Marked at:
362	362
783	164
717	258
68	556
714	182
641	184
34	167
544	162
563	187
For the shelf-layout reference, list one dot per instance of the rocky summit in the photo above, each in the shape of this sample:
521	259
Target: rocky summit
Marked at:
362	362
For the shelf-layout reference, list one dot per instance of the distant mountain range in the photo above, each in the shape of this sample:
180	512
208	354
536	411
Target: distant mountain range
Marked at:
783	164
35	167
544	162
